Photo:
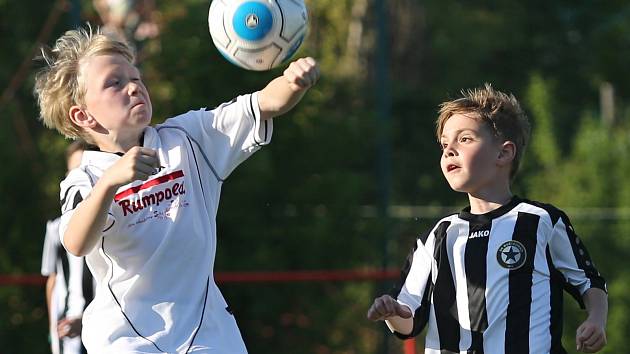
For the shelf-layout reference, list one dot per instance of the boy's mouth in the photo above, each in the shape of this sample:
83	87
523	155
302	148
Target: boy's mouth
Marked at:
451	167
137	104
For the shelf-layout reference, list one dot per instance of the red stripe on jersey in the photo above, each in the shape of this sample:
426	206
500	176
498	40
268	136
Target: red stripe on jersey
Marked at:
148	184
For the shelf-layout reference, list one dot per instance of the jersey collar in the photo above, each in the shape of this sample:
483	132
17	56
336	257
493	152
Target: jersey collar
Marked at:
465	214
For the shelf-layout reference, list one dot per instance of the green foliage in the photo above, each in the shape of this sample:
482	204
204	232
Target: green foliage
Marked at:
542	144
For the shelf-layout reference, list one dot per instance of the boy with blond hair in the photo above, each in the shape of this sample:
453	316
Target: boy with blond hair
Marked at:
489	279
142	205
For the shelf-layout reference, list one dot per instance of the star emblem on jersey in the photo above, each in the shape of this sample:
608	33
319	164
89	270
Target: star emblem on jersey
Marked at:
511	255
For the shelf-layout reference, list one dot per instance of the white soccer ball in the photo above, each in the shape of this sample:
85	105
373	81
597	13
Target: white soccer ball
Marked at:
257	34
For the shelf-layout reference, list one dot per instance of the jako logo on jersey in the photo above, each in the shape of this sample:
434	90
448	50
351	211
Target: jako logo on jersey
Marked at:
511	254
155	198
481	233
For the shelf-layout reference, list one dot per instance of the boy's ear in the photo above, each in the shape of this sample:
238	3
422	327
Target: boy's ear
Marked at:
507	153
81	118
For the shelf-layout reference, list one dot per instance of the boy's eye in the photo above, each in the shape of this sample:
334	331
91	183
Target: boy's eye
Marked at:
113	82
464	139
443	146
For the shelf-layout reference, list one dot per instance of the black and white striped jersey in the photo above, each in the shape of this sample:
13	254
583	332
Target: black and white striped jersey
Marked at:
73	289
492	283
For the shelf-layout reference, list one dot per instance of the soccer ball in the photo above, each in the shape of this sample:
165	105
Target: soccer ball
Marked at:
257	34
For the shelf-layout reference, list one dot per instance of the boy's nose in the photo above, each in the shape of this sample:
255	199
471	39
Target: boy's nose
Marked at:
133	88
449	151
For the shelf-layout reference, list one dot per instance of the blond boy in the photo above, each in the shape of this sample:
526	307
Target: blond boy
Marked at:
489	279
142	205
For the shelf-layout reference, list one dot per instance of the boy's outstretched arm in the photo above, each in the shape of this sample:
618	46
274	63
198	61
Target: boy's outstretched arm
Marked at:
285	91
398	317
591	335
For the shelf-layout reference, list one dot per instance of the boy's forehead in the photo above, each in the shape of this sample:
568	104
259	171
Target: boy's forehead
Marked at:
460	121
102	63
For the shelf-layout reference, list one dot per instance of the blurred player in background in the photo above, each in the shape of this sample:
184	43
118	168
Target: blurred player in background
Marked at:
69	286
131	20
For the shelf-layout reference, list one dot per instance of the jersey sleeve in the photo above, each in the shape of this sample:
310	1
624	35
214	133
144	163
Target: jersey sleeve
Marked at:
414	287
74	189
570	256
228	134
75	298
51	246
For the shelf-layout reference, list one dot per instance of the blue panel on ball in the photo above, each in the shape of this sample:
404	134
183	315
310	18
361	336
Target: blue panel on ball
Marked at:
252	21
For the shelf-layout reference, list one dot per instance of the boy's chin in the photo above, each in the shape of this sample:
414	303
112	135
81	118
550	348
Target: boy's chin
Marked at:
458	188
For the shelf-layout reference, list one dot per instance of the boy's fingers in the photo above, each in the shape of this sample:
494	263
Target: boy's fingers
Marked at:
290	76
148	151
306	67
403	311
370	314
151	161
310	61
306	62
584	333
374	314
591	341
145	169
303	73
389	308
314	75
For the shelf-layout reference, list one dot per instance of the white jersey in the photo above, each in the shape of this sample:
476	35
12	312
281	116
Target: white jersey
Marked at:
492	283
73	288
154	263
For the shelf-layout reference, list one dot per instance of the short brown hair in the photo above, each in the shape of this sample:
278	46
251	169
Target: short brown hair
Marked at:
58	86
501	112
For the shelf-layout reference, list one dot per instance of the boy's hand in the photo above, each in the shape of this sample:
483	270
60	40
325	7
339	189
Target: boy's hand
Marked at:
385	307
69	327
590	337
302	74
137	164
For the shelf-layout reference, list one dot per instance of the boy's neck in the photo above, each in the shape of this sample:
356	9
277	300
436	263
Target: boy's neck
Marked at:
481	204
118	145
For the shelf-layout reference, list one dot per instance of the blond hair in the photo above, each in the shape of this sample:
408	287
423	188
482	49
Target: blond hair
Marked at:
501	112
58	85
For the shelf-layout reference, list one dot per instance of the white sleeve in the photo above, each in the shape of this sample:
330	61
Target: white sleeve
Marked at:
570	257
228	134
51	246
74	189
414	283
417	277
76	299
